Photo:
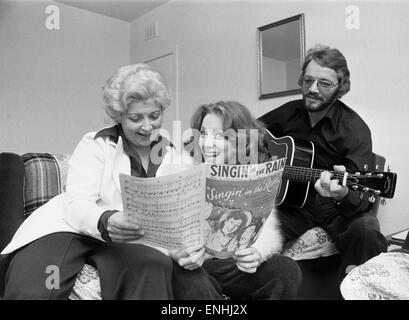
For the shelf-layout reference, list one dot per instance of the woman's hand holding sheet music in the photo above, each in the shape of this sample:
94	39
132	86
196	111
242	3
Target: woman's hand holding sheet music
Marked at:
121	229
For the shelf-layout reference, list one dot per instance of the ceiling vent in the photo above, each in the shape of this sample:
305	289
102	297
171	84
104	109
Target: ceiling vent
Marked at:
152	30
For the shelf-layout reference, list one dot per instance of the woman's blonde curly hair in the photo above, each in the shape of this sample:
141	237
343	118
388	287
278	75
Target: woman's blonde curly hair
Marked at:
134	83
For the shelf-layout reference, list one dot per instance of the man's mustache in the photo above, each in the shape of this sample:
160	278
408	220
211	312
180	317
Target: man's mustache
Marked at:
313	96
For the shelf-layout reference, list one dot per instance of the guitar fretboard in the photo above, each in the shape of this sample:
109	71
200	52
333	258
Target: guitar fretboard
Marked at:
302	174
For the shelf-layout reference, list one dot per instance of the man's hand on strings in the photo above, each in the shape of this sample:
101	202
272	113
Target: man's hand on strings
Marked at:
328	187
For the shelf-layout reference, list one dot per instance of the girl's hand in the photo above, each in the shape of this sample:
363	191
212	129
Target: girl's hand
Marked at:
189	258
248	259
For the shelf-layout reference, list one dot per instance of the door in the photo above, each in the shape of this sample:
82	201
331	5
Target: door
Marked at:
167	65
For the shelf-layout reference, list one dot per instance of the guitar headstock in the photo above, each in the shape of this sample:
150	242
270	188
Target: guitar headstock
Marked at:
380	184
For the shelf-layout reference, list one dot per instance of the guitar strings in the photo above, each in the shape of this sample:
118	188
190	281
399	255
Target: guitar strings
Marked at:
317	172
302	172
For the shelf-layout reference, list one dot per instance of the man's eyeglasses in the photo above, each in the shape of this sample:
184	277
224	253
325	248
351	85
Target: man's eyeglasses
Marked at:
322	85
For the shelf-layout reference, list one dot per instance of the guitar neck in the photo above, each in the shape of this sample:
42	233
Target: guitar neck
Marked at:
302	174
381	184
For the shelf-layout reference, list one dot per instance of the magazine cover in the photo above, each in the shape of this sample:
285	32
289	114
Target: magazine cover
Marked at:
239	200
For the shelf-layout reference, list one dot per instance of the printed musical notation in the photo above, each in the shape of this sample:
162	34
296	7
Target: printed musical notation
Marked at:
167	208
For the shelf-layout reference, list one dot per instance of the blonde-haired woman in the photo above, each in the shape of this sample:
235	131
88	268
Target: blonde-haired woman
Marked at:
86	223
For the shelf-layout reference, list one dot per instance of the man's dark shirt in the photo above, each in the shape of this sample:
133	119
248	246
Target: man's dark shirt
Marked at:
341	137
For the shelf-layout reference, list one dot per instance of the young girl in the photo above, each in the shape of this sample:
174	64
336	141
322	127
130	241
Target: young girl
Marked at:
259	271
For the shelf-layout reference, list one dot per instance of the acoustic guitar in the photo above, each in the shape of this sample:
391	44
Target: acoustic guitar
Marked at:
299	173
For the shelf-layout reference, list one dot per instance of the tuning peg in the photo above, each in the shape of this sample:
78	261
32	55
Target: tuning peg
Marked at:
357	173
389	169
365	167
372	199
365	189
380	175
377	167
368	174
383	201
355	187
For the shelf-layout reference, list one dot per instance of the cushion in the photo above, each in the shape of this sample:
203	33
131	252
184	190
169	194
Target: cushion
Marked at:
45	178
62	161
313	244
87	285
384	277
42	180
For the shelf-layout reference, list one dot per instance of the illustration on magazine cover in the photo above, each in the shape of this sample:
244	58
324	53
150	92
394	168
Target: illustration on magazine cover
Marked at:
241	198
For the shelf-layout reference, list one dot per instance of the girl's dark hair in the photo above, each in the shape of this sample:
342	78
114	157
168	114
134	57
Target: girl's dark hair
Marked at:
234	116
236	214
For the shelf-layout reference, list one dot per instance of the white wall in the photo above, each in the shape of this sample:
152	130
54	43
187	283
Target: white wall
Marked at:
217	60
50	80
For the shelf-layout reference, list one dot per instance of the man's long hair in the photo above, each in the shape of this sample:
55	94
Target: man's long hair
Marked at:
329	58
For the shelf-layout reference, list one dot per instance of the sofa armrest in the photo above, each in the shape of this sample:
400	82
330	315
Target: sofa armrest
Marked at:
11	203
11	196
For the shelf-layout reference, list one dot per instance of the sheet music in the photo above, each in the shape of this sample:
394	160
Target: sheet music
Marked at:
167	208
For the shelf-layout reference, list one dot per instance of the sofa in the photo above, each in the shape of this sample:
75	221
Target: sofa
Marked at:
30	180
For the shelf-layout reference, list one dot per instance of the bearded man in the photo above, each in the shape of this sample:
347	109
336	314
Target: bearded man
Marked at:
342	141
